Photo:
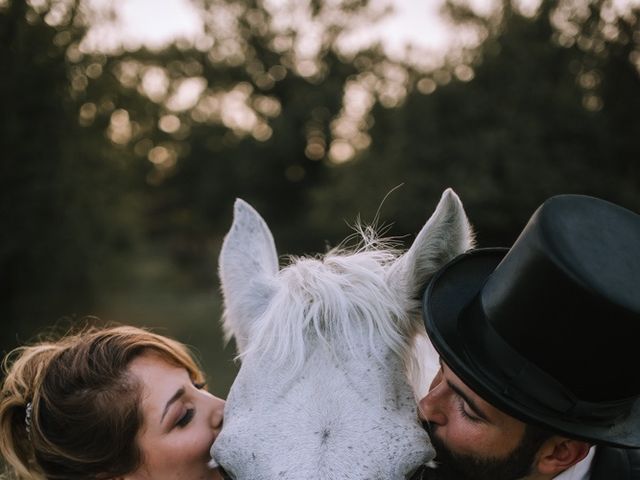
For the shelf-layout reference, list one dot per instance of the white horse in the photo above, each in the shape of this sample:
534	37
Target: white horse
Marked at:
322	392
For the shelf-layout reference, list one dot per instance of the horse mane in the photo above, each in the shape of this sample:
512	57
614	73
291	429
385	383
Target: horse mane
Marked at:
342	296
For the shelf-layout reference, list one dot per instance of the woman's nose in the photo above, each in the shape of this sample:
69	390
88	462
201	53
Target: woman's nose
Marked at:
216	411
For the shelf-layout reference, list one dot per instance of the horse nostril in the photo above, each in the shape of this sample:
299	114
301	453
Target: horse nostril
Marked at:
416	474
225	474
426	426
324	436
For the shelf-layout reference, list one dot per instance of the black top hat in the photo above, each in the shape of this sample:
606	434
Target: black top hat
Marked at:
548	331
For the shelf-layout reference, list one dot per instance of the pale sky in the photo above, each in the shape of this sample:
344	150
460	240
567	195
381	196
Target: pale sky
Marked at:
155	23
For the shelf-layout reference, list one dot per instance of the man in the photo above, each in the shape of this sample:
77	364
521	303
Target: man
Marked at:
540	349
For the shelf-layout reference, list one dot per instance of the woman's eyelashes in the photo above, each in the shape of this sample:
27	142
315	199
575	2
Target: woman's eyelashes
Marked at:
188	414
185	418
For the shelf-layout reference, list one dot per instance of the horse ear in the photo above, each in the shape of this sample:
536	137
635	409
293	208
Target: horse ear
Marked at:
247	265
445	235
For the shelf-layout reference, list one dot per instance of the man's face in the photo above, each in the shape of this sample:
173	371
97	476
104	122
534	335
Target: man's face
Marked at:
473	439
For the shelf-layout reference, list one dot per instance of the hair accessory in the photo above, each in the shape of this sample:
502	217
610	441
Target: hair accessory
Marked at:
27	417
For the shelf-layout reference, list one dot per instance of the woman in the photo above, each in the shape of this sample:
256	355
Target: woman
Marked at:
110	403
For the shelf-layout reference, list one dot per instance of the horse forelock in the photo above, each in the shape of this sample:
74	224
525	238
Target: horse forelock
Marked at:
340	297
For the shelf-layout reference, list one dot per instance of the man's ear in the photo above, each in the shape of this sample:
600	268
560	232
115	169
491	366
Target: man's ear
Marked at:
560	453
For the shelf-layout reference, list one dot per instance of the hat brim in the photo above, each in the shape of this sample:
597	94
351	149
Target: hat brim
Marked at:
449	292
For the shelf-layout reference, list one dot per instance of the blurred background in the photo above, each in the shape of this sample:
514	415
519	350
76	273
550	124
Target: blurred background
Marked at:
127	129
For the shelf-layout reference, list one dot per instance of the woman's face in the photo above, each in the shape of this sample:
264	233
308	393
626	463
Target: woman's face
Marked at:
180	422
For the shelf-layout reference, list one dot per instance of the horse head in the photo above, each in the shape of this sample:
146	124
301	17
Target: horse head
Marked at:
322	392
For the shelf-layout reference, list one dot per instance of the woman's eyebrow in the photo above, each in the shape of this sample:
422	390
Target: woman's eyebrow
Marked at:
172	400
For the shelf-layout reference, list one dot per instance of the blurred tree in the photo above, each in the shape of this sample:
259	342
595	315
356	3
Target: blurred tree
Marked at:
259	128
60	188
546	104
106	151
119	168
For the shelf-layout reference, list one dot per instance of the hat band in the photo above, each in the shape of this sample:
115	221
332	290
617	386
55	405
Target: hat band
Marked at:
514	377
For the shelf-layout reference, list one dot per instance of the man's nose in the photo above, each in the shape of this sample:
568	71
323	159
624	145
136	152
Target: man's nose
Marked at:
432	406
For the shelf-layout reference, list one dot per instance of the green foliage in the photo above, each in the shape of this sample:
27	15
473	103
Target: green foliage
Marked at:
114	196
59	188
532	123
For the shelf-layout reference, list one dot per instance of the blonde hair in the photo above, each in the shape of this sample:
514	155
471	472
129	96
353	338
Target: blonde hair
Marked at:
84	407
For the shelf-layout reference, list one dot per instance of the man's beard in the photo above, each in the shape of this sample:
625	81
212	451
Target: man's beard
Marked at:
453	466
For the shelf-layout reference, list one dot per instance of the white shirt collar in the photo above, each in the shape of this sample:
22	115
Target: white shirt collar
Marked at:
581	470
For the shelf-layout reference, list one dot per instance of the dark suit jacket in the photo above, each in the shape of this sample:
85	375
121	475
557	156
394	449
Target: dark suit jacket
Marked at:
615	464
608	464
